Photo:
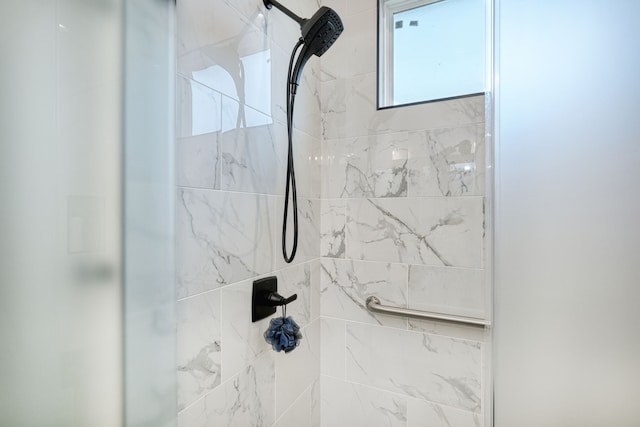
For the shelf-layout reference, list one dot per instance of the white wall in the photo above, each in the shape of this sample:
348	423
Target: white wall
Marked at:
567	342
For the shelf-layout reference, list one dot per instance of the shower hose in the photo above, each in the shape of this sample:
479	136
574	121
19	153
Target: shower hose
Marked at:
291	176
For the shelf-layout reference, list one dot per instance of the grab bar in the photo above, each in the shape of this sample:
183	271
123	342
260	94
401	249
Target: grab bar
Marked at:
373	305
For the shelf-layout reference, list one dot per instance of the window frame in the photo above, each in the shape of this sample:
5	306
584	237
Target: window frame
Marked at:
384	74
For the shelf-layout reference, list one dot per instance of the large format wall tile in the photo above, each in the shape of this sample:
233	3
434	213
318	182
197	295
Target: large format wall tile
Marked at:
332	230
346	284
349	110
199	109
427	414
439	369
332	347
197	161
305	411
298	279
253	158
243	340
221	238
297	370
198	345
430	231
447	162
308	228
458	291
346	404
366	166
245	400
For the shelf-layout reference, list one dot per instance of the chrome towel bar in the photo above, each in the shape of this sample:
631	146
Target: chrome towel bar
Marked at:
373	305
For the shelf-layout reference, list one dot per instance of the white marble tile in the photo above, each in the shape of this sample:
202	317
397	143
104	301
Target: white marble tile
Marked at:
199	109
307	162
439	369
332	229
367	166
447	162
332	347
427	414
245	400
253	158
298	280
464	332
237	116
362	24
229	52
221	238
316	404
243	340
430	231
197	161
357	6
315	288
308	228
297	415
305	411
457	291
250	9
198	346
345	286
349	110
307	111
345	404
282	30
298	369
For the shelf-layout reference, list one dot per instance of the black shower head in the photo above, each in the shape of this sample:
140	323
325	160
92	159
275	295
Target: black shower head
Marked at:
321	30
318	33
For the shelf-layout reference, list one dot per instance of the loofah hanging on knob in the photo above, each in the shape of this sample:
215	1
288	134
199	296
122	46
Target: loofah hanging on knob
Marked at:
283	333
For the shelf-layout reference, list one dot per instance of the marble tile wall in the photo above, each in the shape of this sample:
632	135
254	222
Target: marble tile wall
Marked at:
391	204
231	158
403	218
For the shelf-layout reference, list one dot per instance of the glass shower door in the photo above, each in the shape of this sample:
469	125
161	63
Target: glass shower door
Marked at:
68	271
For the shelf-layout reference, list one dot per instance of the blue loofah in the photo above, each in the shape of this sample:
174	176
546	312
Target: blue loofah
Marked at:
283	334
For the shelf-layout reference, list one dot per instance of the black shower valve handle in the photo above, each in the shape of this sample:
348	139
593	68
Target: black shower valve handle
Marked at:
274	299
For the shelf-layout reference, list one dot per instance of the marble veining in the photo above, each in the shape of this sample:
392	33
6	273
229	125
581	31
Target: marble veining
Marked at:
199	346
245	400
447	162
296	371
197	161
373	166
434	231
251	155
221	238
346	284
243	340
355	405
298	280
333	227
438	369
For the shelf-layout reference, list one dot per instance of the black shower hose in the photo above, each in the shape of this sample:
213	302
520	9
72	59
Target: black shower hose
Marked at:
291	176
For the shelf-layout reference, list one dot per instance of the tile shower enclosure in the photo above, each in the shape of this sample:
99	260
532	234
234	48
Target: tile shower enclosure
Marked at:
391	204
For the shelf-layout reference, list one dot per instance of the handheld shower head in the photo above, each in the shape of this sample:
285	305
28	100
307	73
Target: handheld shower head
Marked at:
319	33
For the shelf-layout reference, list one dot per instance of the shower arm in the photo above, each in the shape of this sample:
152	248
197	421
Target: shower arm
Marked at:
269	3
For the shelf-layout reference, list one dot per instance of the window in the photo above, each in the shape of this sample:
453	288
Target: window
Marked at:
430	50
